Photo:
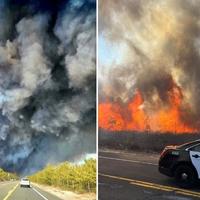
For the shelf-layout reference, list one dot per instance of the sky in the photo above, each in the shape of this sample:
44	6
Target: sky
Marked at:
109	52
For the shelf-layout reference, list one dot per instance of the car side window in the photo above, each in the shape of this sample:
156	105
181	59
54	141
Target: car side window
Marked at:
196	148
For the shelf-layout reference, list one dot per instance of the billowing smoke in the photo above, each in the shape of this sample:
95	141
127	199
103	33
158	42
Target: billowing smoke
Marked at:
159	45
47	82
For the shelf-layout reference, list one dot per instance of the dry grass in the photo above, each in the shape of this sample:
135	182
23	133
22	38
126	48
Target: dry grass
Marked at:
148	142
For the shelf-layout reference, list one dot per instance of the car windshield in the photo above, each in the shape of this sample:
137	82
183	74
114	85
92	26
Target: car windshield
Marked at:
25	179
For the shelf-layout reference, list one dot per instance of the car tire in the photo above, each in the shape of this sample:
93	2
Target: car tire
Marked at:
185	176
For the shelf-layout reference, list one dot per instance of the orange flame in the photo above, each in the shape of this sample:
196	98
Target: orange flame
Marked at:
133	117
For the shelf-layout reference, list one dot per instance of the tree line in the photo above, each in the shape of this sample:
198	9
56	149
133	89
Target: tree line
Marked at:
67	176
6	176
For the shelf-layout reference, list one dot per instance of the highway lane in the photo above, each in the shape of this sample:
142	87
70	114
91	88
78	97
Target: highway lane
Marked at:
5	187
12	191
135	176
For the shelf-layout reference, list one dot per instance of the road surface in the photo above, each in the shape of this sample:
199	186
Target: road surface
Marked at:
135	176
12	191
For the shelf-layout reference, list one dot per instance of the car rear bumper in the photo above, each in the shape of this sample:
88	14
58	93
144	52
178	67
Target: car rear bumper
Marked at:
25	185
165	171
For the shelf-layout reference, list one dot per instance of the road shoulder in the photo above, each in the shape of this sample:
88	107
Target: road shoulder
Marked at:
66	194
151	157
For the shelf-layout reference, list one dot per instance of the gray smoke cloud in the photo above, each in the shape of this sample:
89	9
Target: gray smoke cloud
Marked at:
160	49
47	84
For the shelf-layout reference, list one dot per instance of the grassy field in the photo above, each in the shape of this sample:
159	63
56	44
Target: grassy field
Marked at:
78	178
146	141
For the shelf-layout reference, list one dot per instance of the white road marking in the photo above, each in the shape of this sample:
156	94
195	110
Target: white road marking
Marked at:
110	151
133	161
39	193
128	153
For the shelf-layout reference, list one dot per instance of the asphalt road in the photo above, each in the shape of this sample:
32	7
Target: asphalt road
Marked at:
12	191
135	176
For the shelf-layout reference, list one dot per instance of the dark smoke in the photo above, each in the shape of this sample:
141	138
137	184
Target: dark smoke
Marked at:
162	40
47	82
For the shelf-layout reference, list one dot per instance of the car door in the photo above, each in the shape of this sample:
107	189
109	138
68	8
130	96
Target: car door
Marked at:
195	158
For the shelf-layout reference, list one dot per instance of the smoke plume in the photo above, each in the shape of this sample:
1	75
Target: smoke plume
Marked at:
160	54
47	82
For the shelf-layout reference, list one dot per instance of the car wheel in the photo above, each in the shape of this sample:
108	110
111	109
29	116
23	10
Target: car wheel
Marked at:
185	176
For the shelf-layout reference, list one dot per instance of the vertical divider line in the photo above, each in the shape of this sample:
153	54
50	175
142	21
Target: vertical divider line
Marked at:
97	68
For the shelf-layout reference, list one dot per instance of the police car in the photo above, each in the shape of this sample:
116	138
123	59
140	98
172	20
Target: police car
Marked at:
182	162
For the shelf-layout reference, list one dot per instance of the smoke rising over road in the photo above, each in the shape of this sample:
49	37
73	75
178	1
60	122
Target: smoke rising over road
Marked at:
47	82
160	57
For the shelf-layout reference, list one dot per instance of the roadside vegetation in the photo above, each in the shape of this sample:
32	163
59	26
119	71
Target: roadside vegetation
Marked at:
6	176
145	141
67	176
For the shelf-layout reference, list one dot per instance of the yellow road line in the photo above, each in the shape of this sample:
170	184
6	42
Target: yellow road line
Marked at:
188	194
150	186
154	185
10	192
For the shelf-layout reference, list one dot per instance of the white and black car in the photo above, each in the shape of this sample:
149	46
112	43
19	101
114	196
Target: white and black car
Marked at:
182	162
